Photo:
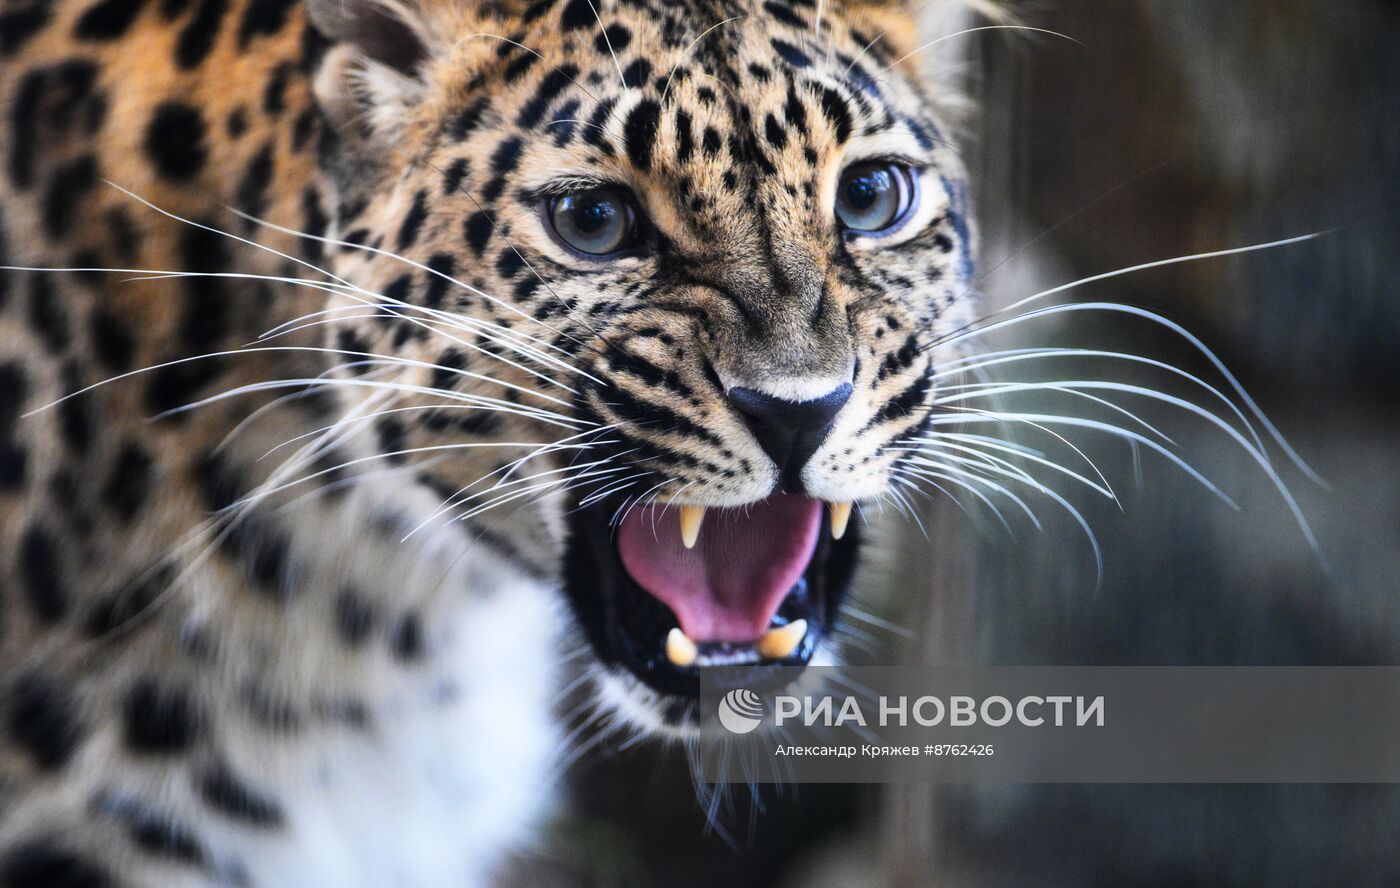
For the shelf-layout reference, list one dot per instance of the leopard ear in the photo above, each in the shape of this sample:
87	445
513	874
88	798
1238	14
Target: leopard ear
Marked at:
374	75
387	32
929	33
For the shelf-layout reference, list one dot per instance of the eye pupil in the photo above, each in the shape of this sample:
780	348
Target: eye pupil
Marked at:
592	214
875	197
596	222
864	190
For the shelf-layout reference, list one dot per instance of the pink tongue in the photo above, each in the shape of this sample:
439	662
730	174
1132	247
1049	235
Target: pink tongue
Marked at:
730	585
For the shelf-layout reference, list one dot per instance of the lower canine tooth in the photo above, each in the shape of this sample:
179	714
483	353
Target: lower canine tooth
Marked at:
840	517
680	650
781	642
691	517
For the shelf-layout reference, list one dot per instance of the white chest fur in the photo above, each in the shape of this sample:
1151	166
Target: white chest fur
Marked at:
451	765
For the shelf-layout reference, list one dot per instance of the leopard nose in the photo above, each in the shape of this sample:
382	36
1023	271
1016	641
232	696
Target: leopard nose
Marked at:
789	431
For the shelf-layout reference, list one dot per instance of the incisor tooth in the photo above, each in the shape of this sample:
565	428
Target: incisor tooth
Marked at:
680	650
778	643
840	517
691	517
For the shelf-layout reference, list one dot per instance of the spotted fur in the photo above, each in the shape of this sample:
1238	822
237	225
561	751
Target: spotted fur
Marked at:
222	667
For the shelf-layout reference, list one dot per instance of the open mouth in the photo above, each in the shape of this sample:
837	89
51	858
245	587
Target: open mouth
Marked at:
749	593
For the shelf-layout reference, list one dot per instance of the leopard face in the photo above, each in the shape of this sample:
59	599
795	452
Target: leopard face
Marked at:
671	270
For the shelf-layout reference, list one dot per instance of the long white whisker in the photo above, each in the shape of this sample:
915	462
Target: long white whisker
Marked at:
1018	355
973	328
366	248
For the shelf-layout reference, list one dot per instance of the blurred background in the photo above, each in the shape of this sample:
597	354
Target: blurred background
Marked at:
1172	128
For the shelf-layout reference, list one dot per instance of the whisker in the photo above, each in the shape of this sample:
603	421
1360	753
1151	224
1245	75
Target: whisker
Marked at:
967	31
366	248
1191	339
1018	355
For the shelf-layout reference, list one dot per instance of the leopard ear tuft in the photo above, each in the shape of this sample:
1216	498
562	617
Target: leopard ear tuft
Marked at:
386	32
376	73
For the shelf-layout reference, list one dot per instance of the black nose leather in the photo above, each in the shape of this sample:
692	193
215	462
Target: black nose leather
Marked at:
789	431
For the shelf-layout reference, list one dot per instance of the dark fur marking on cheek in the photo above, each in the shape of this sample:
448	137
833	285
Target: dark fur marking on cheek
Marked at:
41	570
445	266
304	127
129	602
159	721
75	415
14	459
685	138
509	263
47	316
904	403
44	864
251	196
614	37
354	618
549	89
266	558
207	300
164	838
773	130
640	133
275	94
791	54
45	96
506	156
784	15
478	230
263	18
180	384
407	641
562	123
42	719
837	113
19	25
468	119
197	38
237	123
413	221
595	133
223	791
123	234
453	176
535	11
130	481
175	141
518	68
711	143
392	439
314	222
578	14
636	75
153	831
107	20
218	481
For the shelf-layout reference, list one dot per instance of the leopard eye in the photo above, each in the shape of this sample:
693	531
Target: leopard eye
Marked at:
599	222
875	197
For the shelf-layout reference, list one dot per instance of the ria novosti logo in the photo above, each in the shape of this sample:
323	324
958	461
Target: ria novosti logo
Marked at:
740	711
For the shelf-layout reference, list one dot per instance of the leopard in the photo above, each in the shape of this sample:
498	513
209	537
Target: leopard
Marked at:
377	376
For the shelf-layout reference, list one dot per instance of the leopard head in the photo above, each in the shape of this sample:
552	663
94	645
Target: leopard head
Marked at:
672	271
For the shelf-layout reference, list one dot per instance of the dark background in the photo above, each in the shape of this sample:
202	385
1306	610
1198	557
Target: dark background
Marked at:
1177	127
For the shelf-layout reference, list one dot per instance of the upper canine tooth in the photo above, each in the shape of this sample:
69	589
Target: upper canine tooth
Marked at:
680	650
782	641
840	517
691	517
